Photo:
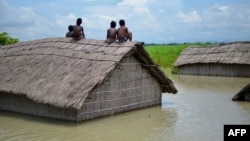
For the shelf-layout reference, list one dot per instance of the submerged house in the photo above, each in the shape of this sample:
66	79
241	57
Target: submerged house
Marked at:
227	60
243	95
78	80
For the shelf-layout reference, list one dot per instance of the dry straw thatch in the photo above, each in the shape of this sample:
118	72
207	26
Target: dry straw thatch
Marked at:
233	53
227	60
243	95
62	72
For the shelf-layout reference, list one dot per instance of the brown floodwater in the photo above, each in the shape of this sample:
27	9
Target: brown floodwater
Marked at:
198	112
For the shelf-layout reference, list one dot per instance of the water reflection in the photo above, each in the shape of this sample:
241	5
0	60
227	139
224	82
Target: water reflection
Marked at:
204	105
135	125
198	112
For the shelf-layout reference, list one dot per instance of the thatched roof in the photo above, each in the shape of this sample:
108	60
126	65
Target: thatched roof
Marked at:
62	71
243	95
233	53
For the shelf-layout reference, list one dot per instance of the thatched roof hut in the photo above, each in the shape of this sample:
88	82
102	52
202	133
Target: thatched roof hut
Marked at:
243	95
226	60
73	77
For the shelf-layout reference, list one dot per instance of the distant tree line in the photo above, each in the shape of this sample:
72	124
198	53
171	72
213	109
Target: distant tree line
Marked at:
5	39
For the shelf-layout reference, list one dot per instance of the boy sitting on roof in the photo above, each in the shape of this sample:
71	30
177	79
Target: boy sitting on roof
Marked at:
78	32
70	33
123	33
111	33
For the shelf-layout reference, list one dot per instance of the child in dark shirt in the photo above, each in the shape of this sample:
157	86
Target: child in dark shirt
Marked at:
70	33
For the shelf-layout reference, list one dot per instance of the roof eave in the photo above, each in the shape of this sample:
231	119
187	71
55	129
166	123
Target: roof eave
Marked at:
141	55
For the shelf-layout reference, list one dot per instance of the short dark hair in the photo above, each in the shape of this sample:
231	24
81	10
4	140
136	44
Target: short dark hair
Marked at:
122	22
79	21
70	27
113	24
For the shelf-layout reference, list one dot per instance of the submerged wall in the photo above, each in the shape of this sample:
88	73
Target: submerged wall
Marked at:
215	69
130	87
21	104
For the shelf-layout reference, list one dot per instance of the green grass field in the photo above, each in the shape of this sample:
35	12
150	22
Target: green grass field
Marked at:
165	55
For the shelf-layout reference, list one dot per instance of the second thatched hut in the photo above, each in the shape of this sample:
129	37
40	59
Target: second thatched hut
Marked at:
227	60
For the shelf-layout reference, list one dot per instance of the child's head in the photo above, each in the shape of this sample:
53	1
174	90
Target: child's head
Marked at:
70	28
79	21
122	22
113	24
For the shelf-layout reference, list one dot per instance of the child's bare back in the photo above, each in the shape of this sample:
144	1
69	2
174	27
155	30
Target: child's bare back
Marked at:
123	32
78	32
111	33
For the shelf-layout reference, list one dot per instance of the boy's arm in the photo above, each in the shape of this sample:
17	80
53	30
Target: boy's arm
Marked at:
107	34
116	34
126	32
83	33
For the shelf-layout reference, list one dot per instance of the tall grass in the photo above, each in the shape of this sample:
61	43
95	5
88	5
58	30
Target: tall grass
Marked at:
165	55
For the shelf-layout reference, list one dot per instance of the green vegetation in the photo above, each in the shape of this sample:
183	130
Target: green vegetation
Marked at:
165	55
5	39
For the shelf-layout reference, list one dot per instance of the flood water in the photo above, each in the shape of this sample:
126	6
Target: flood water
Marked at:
198	112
